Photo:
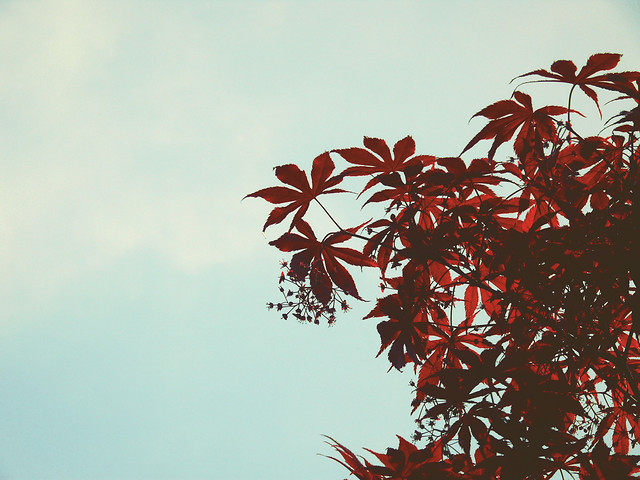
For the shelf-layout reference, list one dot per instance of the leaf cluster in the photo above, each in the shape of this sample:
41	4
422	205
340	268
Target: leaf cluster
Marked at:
509	286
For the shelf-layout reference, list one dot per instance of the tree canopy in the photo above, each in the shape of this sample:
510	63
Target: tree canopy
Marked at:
509	284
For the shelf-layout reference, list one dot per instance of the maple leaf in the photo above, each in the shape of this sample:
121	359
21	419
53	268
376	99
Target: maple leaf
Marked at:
382	163
319	259
565	71
507	116
299	197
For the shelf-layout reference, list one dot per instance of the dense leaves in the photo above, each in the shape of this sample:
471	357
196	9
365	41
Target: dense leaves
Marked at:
509	286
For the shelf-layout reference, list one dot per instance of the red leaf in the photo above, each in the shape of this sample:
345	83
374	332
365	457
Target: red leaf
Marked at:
599	200
454	165
403	149
378	146
383	164
351	462
565	71
323	259
300	197
470	301
320	283
564	68
340	275
508	116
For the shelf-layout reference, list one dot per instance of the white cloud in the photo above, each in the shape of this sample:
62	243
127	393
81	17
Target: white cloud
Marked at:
122	136
50	50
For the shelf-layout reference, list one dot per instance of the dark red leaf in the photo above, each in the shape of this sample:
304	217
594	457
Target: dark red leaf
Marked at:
299	199
565	71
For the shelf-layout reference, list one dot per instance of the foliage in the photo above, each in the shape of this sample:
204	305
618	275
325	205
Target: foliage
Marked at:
510	286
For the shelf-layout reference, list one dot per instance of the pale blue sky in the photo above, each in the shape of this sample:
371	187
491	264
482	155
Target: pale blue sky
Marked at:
134	342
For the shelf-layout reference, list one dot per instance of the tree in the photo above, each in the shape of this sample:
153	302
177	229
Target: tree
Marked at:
509	286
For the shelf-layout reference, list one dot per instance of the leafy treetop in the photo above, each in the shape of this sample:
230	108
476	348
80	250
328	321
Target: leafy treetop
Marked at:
537	372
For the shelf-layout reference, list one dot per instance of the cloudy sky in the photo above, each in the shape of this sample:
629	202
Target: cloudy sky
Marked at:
134	341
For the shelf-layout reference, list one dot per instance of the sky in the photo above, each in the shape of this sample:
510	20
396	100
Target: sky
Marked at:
134	338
